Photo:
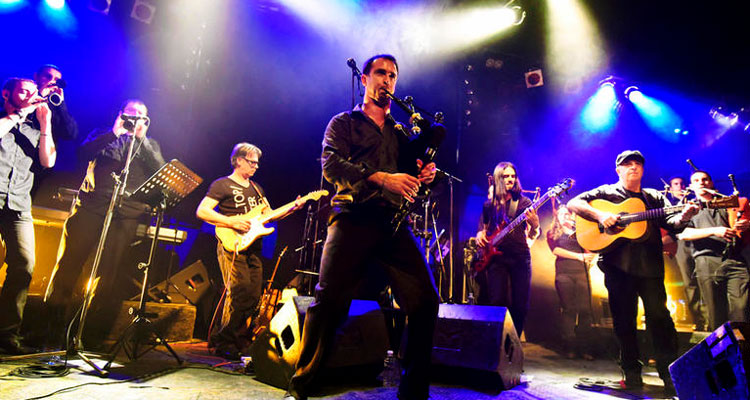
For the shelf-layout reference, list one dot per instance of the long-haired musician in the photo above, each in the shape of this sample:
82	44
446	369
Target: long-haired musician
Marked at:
513	265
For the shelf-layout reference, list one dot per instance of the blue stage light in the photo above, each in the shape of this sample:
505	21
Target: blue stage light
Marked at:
11	5
657	115
632	91
600	112
55	4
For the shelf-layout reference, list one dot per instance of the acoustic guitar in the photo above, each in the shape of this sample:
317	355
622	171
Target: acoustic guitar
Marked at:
484	254
233	240
632	221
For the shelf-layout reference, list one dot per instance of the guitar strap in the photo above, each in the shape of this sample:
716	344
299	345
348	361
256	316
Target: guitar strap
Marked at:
512	210
262	198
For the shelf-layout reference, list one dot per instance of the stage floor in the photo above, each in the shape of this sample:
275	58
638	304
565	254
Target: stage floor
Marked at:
156	375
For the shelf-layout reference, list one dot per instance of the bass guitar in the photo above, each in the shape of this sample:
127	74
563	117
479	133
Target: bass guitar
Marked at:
484	254
233	240
632	221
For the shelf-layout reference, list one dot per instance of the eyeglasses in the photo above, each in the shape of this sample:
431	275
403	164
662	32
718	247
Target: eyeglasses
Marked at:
253	163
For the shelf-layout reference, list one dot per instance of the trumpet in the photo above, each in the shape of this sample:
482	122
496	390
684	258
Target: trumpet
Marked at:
54	99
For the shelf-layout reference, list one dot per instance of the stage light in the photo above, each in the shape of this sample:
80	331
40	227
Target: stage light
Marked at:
11	5
100	6
55	4
599	115
657	115
534	78
143	11
575	50
632	91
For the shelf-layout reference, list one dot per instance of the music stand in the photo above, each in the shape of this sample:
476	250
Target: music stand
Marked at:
165	188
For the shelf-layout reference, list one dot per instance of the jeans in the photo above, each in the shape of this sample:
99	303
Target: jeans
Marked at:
17	230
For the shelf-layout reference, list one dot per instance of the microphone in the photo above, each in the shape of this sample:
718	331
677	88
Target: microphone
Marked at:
133	118
353	65
129	121
689	161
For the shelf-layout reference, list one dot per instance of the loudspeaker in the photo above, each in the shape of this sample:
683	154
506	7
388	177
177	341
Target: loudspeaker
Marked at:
174	322
715	367
190	284
479	338
361	340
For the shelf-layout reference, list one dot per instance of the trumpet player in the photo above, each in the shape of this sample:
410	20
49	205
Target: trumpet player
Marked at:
51	86
23	143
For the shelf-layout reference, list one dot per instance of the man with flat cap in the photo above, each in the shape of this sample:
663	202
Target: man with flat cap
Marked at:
635	268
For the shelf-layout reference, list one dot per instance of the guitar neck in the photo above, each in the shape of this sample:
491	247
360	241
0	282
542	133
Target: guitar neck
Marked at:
274	214
520	219
655	213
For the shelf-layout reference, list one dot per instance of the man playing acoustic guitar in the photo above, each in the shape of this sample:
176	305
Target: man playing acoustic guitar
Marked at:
634	268
236	195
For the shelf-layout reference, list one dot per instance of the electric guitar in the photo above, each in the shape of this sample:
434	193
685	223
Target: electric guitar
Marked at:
233	240
632	221
484	254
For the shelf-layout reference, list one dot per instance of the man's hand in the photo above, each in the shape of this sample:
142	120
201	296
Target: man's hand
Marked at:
607	219
298	203
43	113
688	212
725	233
402	184
741	225
239	223
532	218
481	238
119	128
426	174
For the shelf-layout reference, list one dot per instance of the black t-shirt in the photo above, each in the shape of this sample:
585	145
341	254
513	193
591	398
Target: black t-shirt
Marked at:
236	199
515	242
567	265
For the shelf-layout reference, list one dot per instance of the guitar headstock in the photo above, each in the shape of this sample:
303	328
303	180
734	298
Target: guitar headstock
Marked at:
561	187
732	201
316	195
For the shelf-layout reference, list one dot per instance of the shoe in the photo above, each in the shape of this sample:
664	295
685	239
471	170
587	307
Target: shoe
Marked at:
11	344
292	395
633	380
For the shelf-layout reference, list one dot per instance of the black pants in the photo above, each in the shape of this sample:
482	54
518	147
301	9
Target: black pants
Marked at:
724	284
243	278
82	231
686	264
356	241
17	230
507	282
574	292
624	290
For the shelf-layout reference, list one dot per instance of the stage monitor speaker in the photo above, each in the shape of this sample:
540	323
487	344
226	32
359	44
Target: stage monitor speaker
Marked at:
189	285
361	340
174	322
478	338
715	367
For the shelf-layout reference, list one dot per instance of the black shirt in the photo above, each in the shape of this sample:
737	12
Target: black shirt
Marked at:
354	148
19	150
567	265
642	257
109	153
712	245
235	199
515	242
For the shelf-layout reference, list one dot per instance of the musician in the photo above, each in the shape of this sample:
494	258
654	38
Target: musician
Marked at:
514	263
49	80
572	284
681	251
365	156
635	269
23	143
721	270
235	195
107	150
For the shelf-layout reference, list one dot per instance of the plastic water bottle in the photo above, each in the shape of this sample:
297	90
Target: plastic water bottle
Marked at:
391	372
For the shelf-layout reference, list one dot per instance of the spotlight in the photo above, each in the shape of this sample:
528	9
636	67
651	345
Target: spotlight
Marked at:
534	78
55	4
143	11
632	91
100	6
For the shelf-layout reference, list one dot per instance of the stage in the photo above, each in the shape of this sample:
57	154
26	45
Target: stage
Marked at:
547	375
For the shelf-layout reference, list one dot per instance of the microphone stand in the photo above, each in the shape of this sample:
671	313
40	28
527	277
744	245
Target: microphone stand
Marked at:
117	193
451	241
